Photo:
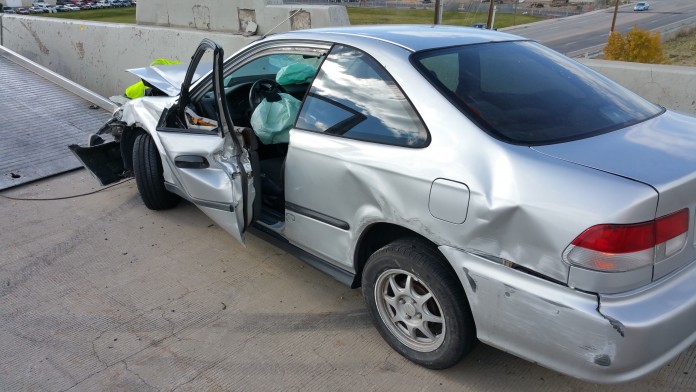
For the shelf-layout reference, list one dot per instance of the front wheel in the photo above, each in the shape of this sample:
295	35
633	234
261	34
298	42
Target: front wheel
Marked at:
147	168
418	305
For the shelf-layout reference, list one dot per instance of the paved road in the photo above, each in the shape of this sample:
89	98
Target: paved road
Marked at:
100	294
588	32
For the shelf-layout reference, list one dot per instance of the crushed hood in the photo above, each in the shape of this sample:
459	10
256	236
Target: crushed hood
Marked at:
168	78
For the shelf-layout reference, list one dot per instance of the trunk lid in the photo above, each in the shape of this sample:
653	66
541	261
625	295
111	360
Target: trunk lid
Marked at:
660	152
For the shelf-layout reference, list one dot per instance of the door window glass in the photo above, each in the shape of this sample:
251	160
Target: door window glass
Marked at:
353	96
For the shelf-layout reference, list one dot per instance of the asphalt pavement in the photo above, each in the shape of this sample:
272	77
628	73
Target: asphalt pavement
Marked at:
98	293
588	33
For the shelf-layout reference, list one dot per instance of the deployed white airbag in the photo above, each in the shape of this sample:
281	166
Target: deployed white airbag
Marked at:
272	120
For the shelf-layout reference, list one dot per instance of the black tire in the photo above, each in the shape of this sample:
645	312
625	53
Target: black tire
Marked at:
147	168
452	337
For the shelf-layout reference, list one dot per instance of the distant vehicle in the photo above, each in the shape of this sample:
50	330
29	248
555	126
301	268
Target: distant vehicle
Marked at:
481	25
37	10
117	4
8	10
62	8
71	7
642	6
22	11
102	4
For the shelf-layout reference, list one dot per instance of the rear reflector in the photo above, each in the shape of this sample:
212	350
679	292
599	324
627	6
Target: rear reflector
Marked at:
618	248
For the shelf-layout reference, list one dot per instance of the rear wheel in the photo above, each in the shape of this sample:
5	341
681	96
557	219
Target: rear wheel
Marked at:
418	305
147	168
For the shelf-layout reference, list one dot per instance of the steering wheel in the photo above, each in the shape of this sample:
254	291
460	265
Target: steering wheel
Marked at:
261	89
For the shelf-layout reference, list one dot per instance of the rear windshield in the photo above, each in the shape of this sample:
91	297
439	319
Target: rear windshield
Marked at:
524	93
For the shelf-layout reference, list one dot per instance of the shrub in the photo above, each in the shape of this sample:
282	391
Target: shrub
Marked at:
638	46
616	47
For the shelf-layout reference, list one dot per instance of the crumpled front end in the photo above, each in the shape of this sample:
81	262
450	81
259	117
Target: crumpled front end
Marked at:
108	153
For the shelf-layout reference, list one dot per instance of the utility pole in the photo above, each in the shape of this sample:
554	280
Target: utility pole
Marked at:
438	12
489	22
616	11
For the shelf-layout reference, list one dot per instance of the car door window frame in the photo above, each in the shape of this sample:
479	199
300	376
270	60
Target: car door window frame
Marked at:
381	71
309	48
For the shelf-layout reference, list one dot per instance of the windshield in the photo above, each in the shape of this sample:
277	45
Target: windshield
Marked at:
524	93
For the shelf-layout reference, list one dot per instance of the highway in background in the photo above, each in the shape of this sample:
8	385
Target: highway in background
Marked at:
583	34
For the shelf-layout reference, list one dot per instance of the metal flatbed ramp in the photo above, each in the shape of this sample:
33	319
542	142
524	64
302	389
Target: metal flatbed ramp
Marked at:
41	113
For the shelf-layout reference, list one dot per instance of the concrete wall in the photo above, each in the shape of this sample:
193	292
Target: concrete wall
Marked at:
673	87
233	15
95	55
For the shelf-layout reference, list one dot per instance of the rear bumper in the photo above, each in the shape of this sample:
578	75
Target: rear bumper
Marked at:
605	339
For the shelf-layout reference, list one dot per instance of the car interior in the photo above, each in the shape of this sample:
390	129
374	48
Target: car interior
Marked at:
257	83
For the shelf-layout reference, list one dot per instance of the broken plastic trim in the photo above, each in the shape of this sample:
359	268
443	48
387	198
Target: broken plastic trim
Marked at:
104	161
513	265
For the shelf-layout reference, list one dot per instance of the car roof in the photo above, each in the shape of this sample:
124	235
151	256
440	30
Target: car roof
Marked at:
411	37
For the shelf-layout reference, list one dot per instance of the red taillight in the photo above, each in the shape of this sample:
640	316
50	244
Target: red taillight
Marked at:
618	238
670	226
615	248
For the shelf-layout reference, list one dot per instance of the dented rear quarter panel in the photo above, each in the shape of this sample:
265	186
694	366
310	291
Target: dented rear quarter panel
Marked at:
524	206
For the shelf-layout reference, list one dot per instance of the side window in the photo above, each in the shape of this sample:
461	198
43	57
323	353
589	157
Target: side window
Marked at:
268	66
292	72
353	96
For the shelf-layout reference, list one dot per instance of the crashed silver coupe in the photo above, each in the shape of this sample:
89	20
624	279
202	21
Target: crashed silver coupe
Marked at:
476	185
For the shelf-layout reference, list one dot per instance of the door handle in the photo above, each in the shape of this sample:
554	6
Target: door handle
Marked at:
191	162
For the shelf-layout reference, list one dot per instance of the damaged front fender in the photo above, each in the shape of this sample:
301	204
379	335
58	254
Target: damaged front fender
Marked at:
109	161
108	154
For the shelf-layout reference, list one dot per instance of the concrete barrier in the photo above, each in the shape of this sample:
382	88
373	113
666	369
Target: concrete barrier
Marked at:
95	55
235	15
671	86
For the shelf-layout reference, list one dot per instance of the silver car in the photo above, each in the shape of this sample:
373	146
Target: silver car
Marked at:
477	186
642	6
